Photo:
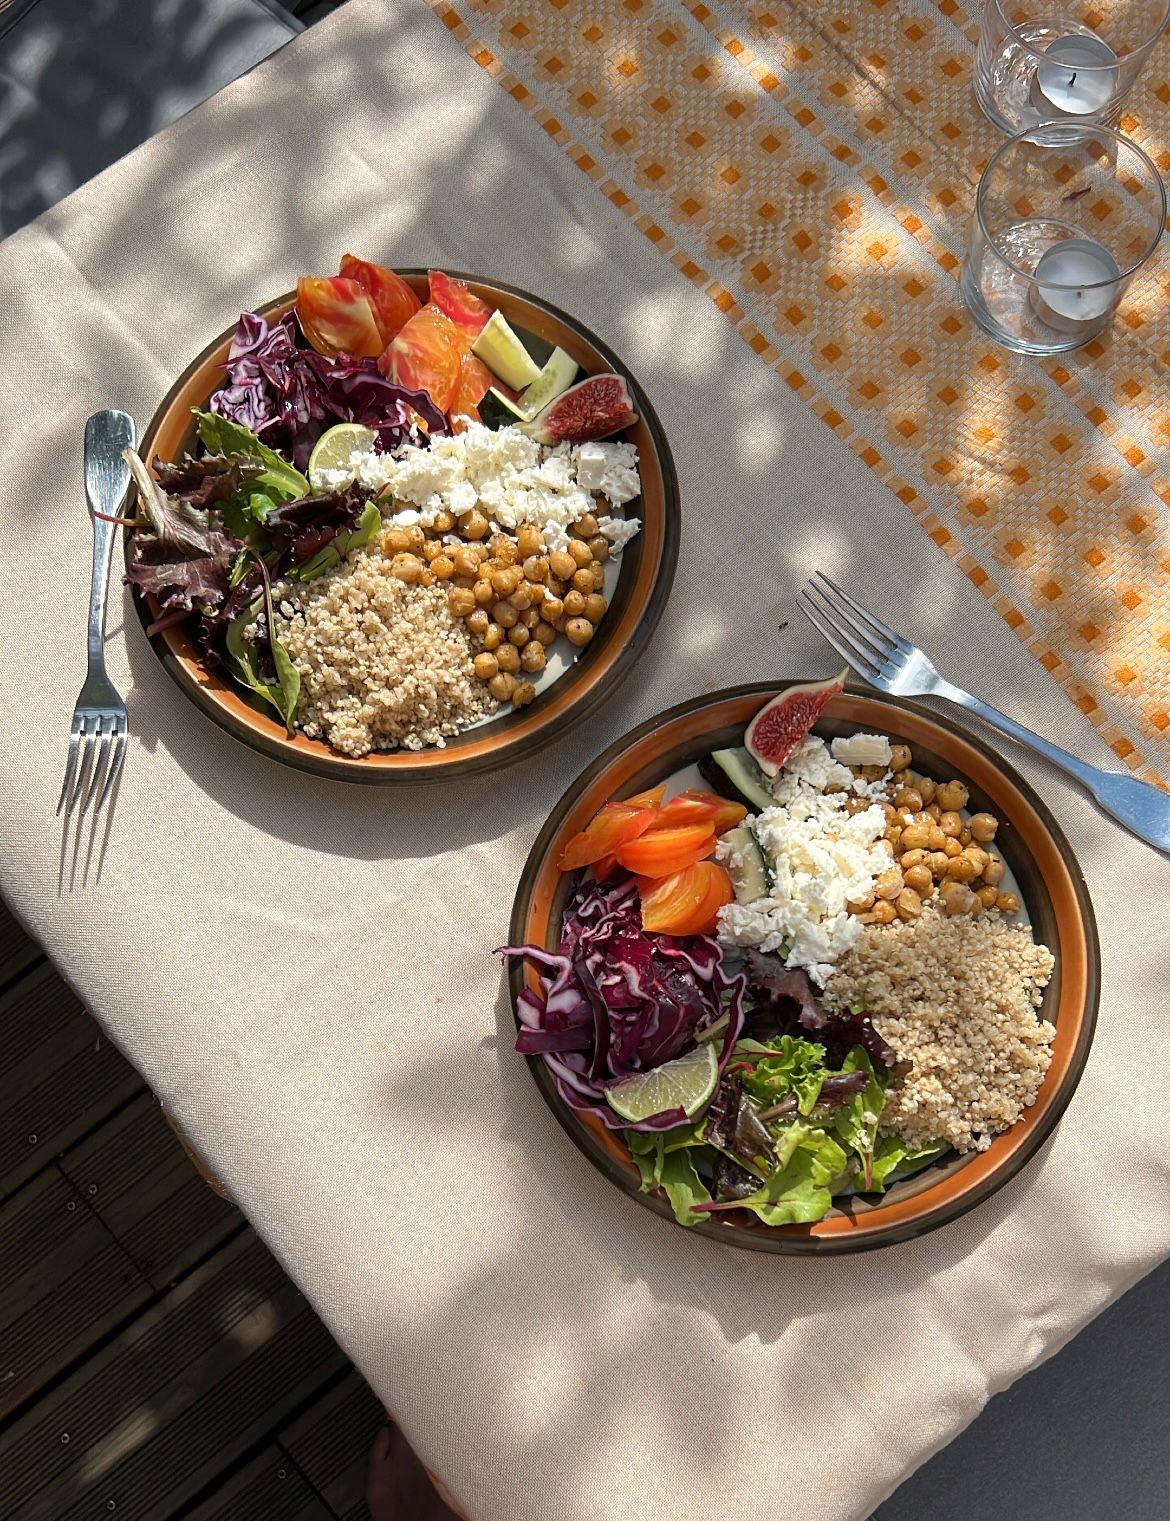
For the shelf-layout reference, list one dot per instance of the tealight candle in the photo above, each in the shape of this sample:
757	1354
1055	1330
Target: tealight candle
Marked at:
1078	77
1073	298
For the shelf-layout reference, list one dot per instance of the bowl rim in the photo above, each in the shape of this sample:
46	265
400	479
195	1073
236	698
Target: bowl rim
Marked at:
228	709
795	1240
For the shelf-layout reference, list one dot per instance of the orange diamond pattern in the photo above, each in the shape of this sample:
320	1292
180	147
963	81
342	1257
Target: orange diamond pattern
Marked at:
811	167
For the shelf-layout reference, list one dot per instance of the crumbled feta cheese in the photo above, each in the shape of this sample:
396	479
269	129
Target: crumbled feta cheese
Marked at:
861	749
819	858
511	478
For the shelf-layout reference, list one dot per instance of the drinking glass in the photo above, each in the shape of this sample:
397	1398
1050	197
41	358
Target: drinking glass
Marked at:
1065	216
1070	63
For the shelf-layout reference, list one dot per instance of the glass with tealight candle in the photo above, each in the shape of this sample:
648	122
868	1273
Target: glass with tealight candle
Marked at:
1063	64
1065	216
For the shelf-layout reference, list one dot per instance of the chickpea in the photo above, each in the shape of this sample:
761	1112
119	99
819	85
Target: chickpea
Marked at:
595	607
578	631
478	622
484	593
598	574
443	522
552	609
518	635
502	686
443	567
554	586
882	912
955	898
993	871
467	582
523	694
872	773
415	539
900	757
599	547
953	794
505	615
486	665
530	617
544	633
431	550
950	823
908	799
917	837
583	581
586	526
524	596
407	568
964	836
528	540
919	879
860	905
854	805
394	541
927	786
979	856
952	848
961	869
1007	903
983	826
937	862
461	601
574	606
536	568
473	524
937	838
893	831
908	904
509	657
493	636
987	896
532	656
503	550
890	883
506	580
913	858
562	564
466	563
887	847
933	809
580	552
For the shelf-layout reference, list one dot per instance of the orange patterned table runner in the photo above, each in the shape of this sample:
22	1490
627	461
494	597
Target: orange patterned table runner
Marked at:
813	167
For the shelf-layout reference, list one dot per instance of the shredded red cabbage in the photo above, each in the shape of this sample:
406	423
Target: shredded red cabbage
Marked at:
615	1000
288	395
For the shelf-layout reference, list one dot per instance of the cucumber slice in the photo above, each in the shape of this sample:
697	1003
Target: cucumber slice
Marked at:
557	376
504	354
745	777
748	869
501	409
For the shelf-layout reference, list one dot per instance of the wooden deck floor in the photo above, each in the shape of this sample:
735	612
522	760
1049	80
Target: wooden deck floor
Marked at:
155	1362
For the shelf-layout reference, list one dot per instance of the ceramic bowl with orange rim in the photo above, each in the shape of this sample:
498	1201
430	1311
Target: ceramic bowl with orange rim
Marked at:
637	598
1034	850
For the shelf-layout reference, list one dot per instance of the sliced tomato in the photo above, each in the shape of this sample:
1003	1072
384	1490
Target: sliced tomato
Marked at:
612	828
392	300
651	799
698	808
475	379
426	356
662	852
336	317
602	868
688	902
457	300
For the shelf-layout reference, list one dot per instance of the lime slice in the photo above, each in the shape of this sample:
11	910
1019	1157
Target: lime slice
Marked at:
333	449
685	1083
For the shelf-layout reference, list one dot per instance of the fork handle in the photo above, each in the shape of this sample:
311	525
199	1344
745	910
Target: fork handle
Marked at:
1141	807
106	478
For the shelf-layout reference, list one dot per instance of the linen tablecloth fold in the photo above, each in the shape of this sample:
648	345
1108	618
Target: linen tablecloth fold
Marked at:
302	970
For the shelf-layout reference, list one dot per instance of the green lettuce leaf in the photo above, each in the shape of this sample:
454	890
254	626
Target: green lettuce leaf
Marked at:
665	1161
893	1160
345	543
856	1122
243	659
790	1065
797	1191
279	482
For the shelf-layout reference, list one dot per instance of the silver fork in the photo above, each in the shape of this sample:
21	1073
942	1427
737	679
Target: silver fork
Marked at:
97	738
893	664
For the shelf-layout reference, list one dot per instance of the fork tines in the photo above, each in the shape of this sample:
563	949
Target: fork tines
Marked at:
97	748
869	645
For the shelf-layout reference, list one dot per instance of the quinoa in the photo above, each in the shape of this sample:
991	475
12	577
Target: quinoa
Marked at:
383	665
957	998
